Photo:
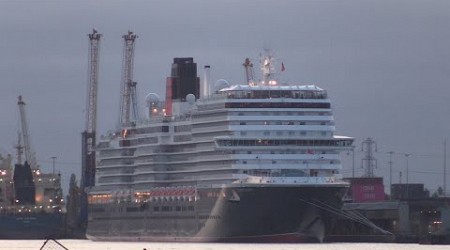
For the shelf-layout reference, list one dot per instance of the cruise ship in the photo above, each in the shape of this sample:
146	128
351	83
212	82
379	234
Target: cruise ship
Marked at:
220	162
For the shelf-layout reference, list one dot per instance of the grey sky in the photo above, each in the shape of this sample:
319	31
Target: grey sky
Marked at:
385	65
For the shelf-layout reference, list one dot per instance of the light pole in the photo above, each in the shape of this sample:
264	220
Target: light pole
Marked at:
390	172
445	168
407	175
353	161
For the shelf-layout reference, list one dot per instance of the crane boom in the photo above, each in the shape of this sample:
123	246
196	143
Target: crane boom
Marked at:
19	148
29	154
127	83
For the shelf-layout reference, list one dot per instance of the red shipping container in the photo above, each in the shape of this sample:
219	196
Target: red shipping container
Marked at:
367	189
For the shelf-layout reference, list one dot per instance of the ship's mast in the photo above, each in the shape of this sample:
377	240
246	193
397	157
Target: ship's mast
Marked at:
267	68
128	86
29	154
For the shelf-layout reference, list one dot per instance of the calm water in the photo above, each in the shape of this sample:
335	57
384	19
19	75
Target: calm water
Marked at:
86	244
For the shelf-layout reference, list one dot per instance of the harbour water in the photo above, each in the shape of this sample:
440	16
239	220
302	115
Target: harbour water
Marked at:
87	244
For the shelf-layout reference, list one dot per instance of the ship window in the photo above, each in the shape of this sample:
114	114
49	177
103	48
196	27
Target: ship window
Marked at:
243	132
245	162
302	123
291	133
178	208
266	132
165	129
242	123
191	208
155	209
302	133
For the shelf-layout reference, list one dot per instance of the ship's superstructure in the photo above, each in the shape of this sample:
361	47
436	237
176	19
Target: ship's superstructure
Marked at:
250	162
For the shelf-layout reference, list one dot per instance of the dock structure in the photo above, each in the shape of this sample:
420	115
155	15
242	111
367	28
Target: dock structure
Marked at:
410	215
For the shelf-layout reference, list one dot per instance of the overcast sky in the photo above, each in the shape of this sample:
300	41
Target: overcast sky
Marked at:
384	63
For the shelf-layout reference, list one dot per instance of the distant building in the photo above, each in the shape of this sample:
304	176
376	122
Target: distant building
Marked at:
409	191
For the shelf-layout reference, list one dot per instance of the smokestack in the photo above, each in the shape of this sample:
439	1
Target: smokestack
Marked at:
182	81
205	86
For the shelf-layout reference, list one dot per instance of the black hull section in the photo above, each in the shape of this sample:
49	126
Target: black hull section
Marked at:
232	214
32	226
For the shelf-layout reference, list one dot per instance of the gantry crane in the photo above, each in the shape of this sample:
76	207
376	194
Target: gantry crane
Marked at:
29	154
89	135
128	86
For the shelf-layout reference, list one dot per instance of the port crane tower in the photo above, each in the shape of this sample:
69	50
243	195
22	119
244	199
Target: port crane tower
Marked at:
89	135
128	101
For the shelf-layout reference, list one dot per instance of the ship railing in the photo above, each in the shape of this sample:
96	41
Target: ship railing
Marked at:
159	119
273	93
289	180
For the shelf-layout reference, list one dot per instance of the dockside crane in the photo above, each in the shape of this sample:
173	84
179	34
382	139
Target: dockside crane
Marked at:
128	86
30	156
89	135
